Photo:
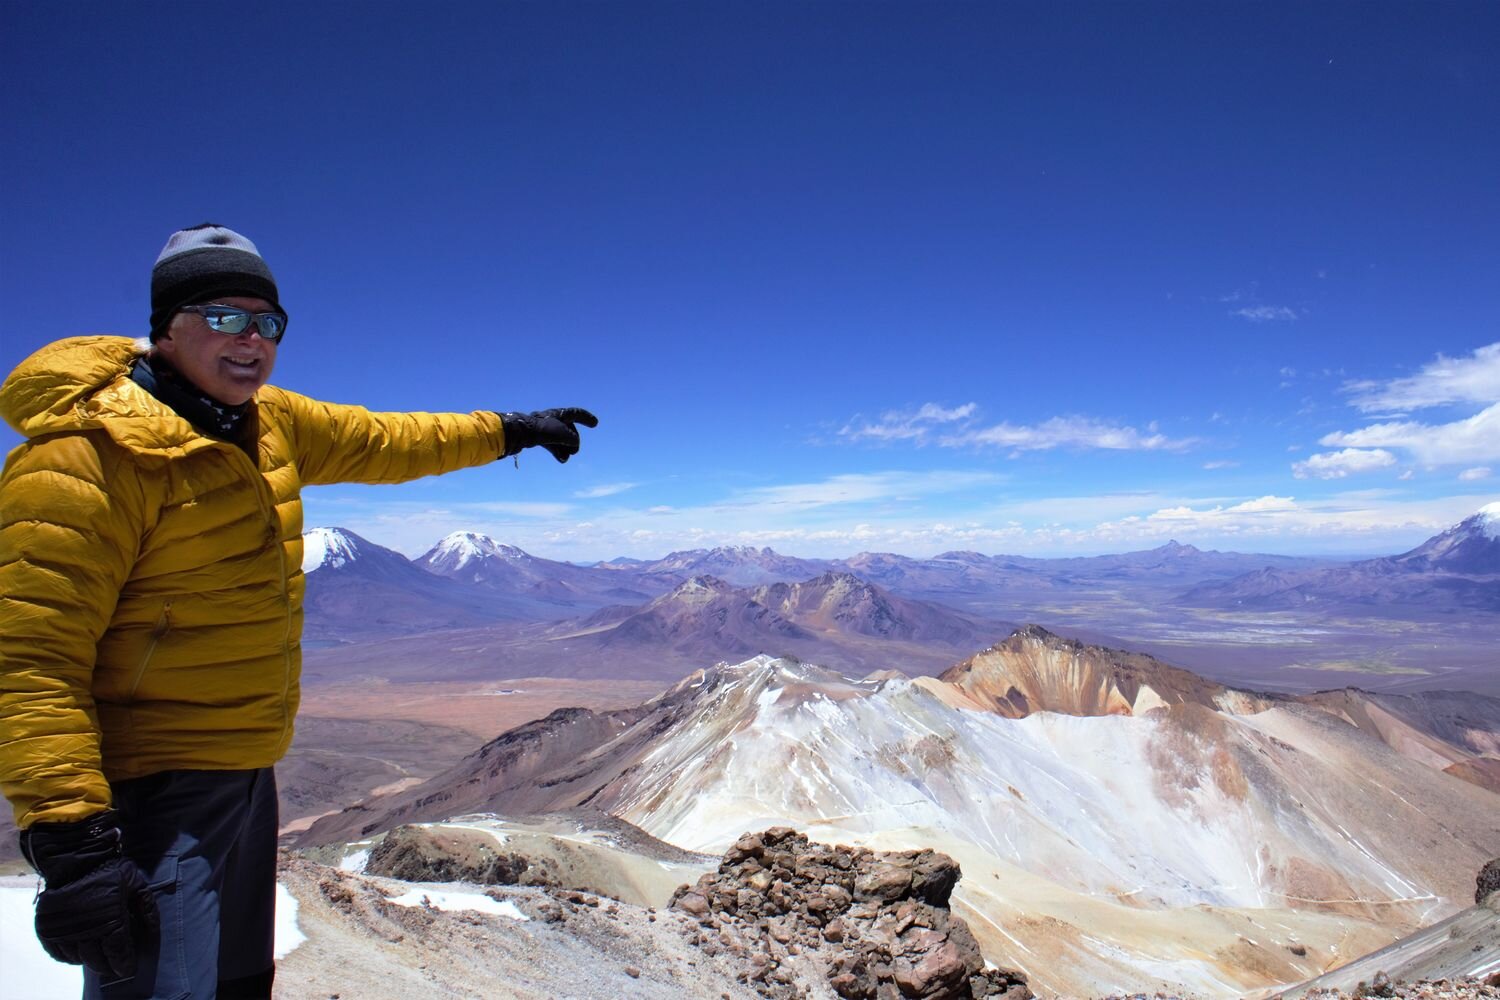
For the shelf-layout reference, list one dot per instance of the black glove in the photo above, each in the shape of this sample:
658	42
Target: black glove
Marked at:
96	908
552	429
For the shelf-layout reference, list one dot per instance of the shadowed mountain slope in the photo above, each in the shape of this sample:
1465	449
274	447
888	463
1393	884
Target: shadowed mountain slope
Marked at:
836	619
357	590
560	589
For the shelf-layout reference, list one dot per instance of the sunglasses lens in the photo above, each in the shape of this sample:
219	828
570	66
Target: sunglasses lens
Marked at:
271	325
230	321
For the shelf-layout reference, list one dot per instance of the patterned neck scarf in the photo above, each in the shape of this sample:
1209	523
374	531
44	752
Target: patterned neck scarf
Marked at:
216	419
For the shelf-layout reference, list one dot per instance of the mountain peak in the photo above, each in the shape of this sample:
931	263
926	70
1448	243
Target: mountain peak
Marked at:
696	590
1471	546
329	547
1034	670
1488	520
458	549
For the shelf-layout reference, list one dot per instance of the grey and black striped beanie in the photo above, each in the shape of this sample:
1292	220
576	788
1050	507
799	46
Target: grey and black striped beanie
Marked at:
204	262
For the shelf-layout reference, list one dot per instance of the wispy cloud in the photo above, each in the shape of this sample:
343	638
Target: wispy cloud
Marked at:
908	425
1065	432
958	427
1475	474
1221	463
1472	379
862	488
604	490
1362	521
1266	314
1338	464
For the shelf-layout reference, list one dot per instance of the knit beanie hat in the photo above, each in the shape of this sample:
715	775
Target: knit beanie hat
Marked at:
205	262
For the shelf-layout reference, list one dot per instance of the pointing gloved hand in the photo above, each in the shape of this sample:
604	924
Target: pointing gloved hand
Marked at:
96	908
553	430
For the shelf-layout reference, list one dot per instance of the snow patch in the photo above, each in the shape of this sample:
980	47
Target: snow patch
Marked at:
21	954
1489	520
288	934
355	862
437	899
24	961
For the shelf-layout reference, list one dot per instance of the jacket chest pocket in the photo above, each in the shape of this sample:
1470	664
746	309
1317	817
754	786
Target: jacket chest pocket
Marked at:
158	632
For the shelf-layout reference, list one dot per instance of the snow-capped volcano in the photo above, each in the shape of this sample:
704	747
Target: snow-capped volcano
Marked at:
357	589
330	548
1489	519
471	558
1471	546
461	550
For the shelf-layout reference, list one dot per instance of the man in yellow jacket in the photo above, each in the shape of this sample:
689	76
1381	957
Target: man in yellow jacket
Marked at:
151	614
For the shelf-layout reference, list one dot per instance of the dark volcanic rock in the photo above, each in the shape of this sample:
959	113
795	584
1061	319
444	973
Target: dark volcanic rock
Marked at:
1487	882
877	924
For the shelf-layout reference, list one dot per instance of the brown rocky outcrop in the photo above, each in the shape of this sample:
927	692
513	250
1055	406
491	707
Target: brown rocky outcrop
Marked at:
876	924
417	854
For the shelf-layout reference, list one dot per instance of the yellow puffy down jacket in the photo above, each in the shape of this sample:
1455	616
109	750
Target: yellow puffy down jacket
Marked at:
151	577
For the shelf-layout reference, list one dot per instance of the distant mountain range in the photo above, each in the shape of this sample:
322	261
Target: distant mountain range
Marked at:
357	588
1457	571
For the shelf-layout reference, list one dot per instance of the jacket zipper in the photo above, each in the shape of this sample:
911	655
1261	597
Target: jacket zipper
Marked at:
161	628
268	506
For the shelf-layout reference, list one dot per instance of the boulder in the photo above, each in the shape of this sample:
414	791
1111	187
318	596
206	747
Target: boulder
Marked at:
875	924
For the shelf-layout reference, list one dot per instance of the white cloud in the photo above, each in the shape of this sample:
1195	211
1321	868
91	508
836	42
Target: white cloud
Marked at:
1362	522
1473	379
1338	464
860	488
1188	515
1266	314
1221	463
955	428
604	490
1474	439
1064	432
1470	475
908	425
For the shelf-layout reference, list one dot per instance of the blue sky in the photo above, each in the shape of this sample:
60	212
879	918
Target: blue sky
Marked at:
1049	279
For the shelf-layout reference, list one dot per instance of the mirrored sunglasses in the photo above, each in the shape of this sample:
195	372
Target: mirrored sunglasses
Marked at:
232	322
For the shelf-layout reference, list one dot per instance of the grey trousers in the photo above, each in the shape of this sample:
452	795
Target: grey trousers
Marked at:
207	843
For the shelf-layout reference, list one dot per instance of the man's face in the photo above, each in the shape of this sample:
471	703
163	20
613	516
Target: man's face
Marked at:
228	368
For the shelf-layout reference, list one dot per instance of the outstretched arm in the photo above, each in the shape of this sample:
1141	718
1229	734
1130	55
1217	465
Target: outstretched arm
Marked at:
339	444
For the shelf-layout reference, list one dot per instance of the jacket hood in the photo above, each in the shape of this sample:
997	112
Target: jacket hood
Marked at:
83	383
